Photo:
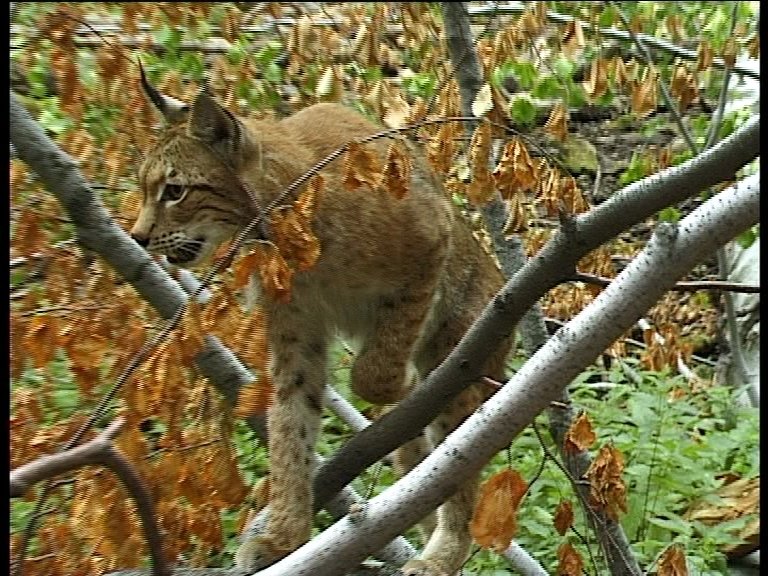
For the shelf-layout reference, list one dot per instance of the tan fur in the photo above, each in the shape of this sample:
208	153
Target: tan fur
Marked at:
403	279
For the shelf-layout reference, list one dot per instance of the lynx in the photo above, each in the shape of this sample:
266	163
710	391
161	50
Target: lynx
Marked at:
401	278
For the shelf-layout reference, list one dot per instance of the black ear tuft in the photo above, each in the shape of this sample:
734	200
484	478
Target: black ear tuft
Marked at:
173	110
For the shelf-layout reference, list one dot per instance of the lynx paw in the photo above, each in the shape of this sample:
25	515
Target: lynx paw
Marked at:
418	567
258	552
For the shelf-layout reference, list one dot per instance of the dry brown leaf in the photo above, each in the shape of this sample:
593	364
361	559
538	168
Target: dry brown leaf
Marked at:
276	276
440	148
607	489
569	561
674	24
111	61
86	354
418	111
221	312
619	71
361	167
683	87
517	221
330	87
737	498
672	562
729	52
396	178
580	435
397	111
572	38
191	332
251	339
495	518
644	97
548	192
481	188
40	339
596	83
705	56
753	46
516	171
28	236
572	200
254	398
483	102
563	517
375	97
292	228
557	123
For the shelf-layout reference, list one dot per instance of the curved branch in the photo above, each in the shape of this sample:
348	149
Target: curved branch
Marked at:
673	251
553	264
99	451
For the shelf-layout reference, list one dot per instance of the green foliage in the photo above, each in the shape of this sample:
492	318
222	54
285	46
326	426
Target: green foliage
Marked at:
421	84
669	214
660	438
522	111
638	169
748	237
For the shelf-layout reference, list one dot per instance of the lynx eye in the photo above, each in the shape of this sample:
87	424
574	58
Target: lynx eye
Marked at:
172	192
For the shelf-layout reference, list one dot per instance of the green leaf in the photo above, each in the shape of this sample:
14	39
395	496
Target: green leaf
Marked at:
547	87
268	54
669	214
748	237
524	73
191	64
54	121
169	37
564	67
675	525
522	111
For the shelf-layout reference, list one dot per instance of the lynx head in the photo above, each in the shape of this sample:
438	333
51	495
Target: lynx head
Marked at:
192	197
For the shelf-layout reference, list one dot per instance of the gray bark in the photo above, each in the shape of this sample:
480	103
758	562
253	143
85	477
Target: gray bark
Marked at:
554	263
673	250
97	232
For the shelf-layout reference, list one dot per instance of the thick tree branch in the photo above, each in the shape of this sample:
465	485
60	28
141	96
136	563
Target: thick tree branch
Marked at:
553	264
97	232
673	251
99	451
532	329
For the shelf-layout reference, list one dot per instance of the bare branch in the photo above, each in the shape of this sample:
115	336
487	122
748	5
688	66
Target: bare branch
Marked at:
673	250
99	451
682	286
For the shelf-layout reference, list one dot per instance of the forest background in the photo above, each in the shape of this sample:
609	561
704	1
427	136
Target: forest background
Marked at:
648	463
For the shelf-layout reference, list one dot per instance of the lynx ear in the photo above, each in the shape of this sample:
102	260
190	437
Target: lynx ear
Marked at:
217	127
173	110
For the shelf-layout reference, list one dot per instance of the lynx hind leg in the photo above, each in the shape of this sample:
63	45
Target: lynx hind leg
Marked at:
383	370
298	368
449	545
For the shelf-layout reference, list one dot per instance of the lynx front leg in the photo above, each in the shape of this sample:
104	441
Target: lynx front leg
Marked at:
298	368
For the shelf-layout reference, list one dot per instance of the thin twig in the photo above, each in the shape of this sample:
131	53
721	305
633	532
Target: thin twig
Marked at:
682	286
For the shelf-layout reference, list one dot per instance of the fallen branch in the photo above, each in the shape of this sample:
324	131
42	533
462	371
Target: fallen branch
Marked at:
99	451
